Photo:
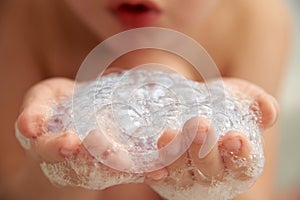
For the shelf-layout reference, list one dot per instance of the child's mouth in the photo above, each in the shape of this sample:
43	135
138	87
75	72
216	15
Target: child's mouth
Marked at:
135	13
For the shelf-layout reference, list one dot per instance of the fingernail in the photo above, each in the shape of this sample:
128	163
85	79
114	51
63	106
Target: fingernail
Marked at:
66	152
158	175
275	107
233	144
25	142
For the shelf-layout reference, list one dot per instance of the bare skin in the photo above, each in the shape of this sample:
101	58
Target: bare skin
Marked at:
250	51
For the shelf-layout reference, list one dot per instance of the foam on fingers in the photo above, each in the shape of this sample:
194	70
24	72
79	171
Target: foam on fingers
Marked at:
156	177
269	108
236	152
55	148
123	133
101	148
166	138
38	104
267	104
31	121
207	156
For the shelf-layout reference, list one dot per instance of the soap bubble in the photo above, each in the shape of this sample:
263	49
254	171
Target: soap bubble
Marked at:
122	115
121	124
146	100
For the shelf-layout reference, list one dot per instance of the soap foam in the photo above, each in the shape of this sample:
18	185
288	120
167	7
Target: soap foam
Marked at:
132	109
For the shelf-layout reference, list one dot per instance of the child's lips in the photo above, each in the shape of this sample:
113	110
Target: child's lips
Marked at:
135	13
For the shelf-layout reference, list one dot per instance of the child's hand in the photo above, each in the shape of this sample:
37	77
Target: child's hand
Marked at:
63	156
66	161
31	121
191	167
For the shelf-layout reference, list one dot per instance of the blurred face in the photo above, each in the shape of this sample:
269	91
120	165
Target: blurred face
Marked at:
108	17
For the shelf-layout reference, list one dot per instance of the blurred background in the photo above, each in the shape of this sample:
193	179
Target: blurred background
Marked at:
289	168
289	162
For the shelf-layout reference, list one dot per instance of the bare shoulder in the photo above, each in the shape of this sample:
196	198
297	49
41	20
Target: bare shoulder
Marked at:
263	15
261	42
256	20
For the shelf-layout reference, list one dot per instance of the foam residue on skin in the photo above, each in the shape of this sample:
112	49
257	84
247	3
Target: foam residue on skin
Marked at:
85	171
152	106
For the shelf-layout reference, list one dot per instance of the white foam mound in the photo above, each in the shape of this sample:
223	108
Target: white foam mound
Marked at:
131	110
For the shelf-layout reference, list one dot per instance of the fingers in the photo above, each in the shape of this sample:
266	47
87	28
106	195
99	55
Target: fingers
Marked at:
203	150
201	128
236	153
99	146
156	177
269	109
56	148
68	145
37	105
267	104
166	138
236	159
30	121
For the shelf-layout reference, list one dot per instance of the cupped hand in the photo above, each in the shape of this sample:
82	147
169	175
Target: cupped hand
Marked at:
192	167
63	156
